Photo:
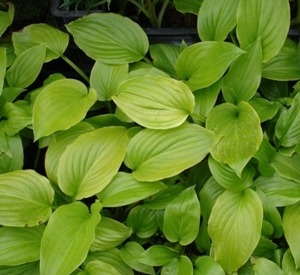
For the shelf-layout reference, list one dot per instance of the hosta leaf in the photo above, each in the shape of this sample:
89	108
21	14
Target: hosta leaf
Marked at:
67	237
234	227
99	267
92	156
109	233
158	255
157	154
32	268
20	245
291	223
6	17
207	265
216	19
3	63
130	253
124	190
203	63
191	6
272	27
142	220
178	266
25	198
59	144
106	78
262	266
56	41
280	190
26	69
288	264
60	105
239	127
244	75
287	128
180	224
110	38
273	90
154	101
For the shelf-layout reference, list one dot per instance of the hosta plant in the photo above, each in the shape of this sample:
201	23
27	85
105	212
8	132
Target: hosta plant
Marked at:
161	160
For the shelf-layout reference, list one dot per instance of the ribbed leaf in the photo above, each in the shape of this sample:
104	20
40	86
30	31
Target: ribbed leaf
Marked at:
239	127
55	40
207	265
257	18
92	156
203	63
25	198
262	266
178	266
3	63
106	78
191	6
60	105
99	267
216	18
124	190
288	264
234	227
157	154
32	268
20	245
6	17
25	68
110	38
154	101
67	237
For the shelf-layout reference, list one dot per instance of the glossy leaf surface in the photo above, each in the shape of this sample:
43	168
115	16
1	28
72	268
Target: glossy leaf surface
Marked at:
263	266
207	265
188	6
6	17
178	266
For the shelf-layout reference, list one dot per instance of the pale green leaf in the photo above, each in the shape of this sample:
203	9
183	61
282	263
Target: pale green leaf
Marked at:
178	266
234	227
56	41
240	133
207	265
6	17
25	69
99	267
257	18
180	224
3	64
67	237
203	63
124	190
216	18
191	6
244	75
280	190
106	78
92	156
262	266
110	38
288	264
61	105
291	223
157	154
20	245
154	101
25	198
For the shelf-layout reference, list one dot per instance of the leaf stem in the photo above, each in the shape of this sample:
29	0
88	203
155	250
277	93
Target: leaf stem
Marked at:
198	117
162	12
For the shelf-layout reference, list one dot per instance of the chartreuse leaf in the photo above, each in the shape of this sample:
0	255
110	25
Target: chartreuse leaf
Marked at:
154	101
105	79
288	264
284	66
130	253
240	133
203	63
142	220
110	38
61	105
6	17
157	154
56	41
207	265
287	128
26	69
20	245
25	198
280	190
158	255
272	27
93	155
59	144
262	266
32	268
99	267
228	179
244	75
4	146
180	224
67	237
124	190
3	64
109	233
291	223
234	227
216	19
178	266
191	6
